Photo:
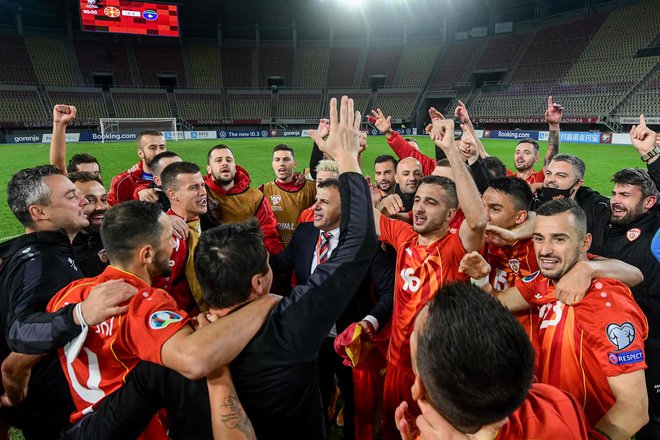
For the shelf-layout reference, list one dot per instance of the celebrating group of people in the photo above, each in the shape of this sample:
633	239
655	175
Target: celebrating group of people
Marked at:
444	298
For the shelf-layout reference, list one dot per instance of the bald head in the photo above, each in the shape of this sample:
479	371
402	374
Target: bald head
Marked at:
408	175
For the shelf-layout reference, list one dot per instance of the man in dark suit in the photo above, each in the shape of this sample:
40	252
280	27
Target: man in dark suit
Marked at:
313	244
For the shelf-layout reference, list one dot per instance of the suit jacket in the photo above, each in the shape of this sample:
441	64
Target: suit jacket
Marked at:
375	294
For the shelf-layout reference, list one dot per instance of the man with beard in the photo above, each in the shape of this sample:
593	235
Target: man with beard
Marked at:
87	245
592	348
428	255
408	178
235	201
183	184
150	143
384	171
564	177
288	198
138	239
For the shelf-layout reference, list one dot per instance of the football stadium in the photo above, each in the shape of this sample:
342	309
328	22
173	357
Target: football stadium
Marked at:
330	219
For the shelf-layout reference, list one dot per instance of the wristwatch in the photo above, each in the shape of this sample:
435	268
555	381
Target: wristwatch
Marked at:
651	154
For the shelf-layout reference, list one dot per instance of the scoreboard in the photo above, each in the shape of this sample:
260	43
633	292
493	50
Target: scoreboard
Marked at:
127	17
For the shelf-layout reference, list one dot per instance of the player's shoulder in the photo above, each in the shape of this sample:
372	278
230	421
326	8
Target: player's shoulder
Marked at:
121	178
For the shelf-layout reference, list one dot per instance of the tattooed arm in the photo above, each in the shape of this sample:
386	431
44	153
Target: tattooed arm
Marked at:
227	415
553	115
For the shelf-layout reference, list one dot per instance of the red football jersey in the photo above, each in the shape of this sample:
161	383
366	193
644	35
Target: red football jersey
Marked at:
420	272
113	348
535	177
546	414
307	215
582	345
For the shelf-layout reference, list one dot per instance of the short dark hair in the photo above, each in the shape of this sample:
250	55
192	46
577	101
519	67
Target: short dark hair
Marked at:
559	206
386	158
79	158
495	166
172	171
28	187
156	169
473	377
447	184
226	259
409	140
216	147
330	183
147	133
529	141
638	177
284	147
129	225
515	187
572	160
84	176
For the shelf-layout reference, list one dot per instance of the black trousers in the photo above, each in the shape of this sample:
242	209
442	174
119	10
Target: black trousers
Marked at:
652	430
329	365
150	387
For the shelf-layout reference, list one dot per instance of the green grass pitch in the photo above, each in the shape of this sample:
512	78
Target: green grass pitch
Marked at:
255	156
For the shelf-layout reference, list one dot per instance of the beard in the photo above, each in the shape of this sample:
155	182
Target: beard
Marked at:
630	215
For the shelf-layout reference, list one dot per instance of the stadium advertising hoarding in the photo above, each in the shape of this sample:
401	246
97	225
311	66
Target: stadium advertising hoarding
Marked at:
200	134
229	134
128	17
511	134
565	120
582	137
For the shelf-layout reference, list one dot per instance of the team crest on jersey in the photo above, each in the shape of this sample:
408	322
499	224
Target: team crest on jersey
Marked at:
620	335
162	318
275	199
531	277
514	264
633	234
103	256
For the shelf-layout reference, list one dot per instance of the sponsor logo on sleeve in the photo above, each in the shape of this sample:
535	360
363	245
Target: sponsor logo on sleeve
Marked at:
162	318
626	357
620	335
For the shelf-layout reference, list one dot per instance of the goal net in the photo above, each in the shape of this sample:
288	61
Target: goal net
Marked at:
117	129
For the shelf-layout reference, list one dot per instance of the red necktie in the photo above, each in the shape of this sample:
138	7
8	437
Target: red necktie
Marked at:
324	246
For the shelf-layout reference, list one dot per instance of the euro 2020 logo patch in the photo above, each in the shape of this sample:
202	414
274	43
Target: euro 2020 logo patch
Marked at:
162	318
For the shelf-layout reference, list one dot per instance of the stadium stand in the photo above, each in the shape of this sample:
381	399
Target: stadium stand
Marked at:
205	65
236	66
343	64
50	61
15	63
249	106
646	100
397	105
156	61
141	103
454	66
200	105
382	61
314	68
417	63
103	58
299	106
500	51
21	103
88	101
275	62
361	98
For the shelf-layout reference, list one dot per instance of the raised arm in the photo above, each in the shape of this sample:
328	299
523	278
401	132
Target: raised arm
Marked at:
63	115
473	228
462	114
644	139
553	116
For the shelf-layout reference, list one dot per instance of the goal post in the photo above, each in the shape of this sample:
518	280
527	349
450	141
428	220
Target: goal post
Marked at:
116	129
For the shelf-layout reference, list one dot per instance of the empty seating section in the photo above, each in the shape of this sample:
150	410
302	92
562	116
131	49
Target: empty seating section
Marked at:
417	63
299	106
15	64
646	100
381	61
454	65
141	104
360	100
501	51
21	106
275	62
155	61
205	65
314	68
449	110
236	67
199	106
250	106
90	104
343	64
103	58
50	61
397	105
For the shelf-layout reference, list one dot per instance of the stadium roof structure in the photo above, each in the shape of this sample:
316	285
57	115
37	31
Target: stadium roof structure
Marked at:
237	20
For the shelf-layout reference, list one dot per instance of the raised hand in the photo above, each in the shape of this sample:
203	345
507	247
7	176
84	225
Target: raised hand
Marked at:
343	143
642	137
149	195
382	123
554	112
574	284
462	114
474	265
405	422
64	114
376	196
391	205
323	128
363	141
442	131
